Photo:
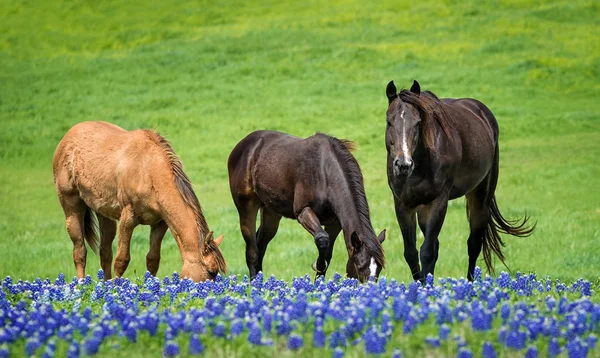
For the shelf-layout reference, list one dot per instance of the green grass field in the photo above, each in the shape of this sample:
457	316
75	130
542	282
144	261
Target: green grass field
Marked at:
206	74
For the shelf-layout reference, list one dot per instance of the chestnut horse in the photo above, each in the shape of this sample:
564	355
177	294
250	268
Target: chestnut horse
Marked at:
440	150
316	181
136	178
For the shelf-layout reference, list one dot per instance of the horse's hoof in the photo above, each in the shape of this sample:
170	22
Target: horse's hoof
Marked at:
314	267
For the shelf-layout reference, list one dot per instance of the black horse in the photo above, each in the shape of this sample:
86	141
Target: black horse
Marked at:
314	180
440	150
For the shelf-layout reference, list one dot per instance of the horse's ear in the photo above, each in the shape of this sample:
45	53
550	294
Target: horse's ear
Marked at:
209	236
381	237
390	91
416	87
219	239
355	241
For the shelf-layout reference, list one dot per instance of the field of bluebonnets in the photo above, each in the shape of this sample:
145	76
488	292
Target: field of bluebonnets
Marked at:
204	74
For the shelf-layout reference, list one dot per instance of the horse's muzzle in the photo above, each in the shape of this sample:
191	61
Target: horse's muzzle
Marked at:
403	167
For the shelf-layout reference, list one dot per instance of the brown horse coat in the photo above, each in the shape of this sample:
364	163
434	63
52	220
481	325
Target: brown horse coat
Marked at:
134	177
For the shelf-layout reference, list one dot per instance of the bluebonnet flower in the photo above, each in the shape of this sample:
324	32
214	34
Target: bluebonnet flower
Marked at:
464	352
87	280
255	335
488	350
532	352
477	274
338	353
433	341
73	351
171	349
3	351
100	274
237	327
196	346
516	340
592	340
336	339
396	353
295	342
219	330
318	334
444	332
374	341
554	348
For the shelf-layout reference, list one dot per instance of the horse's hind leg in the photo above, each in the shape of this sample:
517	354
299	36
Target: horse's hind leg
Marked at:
75	210
108	230
127	222
309	220
478	213
247	207
157	233
269	223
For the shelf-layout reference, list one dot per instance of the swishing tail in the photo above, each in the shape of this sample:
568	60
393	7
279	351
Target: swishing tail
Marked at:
492	242
90	230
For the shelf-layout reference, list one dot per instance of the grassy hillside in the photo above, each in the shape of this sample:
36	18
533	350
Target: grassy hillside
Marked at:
205	74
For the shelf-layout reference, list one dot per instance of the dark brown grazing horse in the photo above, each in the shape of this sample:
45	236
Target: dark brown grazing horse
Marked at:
316	181
440	150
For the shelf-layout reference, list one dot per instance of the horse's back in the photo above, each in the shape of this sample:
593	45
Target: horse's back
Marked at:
273	165
477	139
108	166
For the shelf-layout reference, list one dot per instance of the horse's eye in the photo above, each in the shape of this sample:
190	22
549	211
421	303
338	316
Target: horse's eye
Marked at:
389	124
213	274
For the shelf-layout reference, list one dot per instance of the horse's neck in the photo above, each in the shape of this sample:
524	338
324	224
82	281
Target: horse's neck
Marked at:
346	208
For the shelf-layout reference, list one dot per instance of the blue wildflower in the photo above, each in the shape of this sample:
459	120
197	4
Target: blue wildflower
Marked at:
444	332
433	341
464	352
237	327
338	353
171	349
592	340
488	350
532	352
73	351
318	334
219	330
196	346
87	280
295	342
100	275
396	353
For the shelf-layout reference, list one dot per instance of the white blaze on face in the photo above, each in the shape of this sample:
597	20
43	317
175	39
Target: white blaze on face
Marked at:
404	143
373	267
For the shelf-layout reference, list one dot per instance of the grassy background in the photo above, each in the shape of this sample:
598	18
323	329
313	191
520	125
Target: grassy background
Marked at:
205	74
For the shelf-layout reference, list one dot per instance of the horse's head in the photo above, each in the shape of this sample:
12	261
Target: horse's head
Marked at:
366	257
403	131
211	261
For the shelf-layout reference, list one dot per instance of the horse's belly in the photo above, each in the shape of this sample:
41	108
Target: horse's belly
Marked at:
103	203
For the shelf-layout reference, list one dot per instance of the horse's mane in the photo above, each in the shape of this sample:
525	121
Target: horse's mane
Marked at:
342	148
431	109
184	187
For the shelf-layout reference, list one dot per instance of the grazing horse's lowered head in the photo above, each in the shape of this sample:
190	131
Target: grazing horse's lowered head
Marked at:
365	259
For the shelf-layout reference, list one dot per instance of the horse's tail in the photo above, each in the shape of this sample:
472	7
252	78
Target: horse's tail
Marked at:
492	242
90	229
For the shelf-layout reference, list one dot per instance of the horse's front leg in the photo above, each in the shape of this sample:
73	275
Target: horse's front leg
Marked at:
127	222
408	225
431	219
309	220
157	233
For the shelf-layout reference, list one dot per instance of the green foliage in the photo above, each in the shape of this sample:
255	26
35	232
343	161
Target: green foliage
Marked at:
205	74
